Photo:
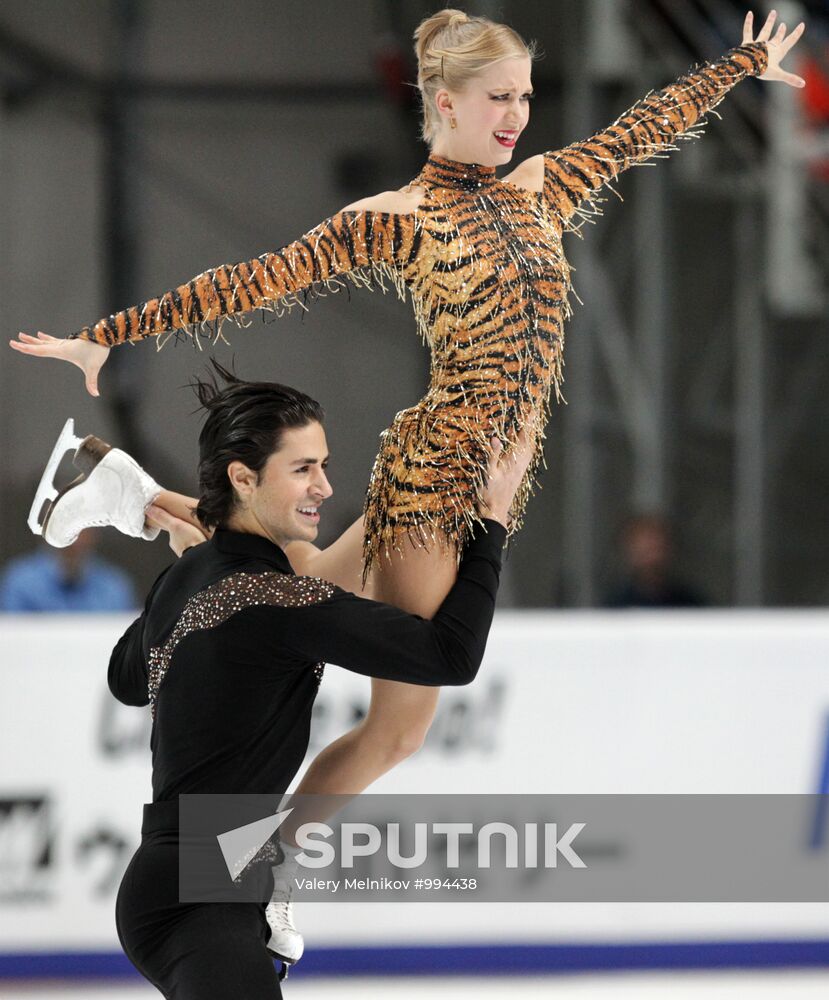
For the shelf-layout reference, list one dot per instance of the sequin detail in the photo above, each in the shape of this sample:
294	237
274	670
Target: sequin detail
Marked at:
483	263
269	853
217	604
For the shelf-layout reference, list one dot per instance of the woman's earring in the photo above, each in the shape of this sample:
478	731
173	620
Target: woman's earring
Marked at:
452	122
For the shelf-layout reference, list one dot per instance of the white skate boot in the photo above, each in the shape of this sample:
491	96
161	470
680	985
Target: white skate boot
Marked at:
285	942
111	490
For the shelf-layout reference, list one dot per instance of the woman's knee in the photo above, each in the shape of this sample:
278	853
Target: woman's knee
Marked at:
399	736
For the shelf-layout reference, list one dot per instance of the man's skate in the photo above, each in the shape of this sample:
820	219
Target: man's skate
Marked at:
285	942
112	489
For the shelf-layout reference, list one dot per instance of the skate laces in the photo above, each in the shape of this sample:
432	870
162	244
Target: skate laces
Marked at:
280	915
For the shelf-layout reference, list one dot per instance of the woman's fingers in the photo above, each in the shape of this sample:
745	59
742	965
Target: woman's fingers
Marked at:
91	380
157	516
42	344
35	348
790	78
765	31
787	43
88	357
778	47
748	28
162	518
183	534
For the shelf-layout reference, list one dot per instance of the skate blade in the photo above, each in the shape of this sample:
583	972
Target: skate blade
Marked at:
47	493
287	963
282	975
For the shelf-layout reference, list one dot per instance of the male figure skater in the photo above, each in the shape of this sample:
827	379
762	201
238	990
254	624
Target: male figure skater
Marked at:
229	651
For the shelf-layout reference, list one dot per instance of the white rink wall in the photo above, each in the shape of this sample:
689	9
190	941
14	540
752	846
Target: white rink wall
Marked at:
693	702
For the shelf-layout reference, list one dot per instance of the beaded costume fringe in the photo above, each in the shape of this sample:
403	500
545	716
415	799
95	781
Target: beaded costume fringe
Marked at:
373	277
484	266
703	88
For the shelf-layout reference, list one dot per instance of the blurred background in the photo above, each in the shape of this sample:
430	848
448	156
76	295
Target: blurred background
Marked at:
142	142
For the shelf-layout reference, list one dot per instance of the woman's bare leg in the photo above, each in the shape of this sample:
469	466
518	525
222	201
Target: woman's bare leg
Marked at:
399	714
340	563
179	506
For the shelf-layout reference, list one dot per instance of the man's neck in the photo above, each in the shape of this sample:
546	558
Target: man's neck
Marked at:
247	524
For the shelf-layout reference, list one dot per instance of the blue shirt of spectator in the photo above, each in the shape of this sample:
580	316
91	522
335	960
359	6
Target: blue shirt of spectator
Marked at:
39	582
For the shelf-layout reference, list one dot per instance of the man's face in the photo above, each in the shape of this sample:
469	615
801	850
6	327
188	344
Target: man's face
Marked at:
285	502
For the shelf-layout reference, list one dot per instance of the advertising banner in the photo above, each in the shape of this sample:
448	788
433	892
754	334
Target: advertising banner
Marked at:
581	704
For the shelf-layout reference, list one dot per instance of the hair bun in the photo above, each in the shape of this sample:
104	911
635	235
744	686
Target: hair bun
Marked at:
453	17
434	25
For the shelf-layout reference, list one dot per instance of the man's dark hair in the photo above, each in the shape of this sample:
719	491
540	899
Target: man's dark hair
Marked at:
245	423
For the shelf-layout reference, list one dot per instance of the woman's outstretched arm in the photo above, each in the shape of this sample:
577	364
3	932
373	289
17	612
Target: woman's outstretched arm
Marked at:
574	175
357	242
347	242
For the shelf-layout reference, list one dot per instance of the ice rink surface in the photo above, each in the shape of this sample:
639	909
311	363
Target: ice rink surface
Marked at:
792	984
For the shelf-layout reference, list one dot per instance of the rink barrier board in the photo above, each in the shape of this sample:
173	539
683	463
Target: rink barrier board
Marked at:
550	690
469	960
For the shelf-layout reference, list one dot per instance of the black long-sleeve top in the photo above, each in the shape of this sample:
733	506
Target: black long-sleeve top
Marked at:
230	648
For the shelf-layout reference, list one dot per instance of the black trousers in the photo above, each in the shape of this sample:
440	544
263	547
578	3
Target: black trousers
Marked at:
189	951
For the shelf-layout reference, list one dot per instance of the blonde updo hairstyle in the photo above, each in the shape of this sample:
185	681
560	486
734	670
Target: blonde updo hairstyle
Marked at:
451	49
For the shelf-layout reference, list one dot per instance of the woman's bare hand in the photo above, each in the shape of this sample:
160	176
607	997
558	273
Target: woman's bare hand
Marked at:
87	355
505	475
778	46
183	534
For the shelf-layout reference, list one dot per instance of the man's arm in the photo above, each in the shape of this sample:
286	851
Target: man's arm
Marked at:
127	674
382	641
314	620
379	640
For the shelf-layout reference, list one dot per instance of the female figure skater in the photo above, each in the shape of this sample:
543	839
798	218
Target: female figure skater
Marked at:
483	262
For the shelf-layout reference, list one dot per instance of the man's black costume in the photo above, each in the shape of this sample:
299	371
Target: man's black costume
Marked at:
229	654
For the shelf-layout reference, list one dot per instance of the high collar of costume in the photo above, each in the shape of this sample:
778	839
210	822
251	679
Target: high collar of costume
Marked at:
440	172
251	546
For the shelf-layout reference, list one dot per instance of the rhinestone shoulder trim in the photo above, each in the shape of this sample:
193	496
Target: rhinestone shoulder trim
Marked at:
217	604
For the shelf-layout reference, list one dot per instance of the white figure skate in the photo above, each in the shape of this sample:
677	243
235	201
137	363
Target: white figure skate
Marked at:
112	489
285	942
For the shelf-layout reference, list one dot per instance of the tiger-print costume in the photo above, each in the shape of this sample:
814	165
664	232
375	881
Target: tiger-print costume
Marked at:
484	265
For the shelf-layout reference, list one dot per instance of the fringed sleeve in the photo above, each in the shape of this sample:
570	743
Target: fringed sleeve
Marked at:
573	176
366	247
